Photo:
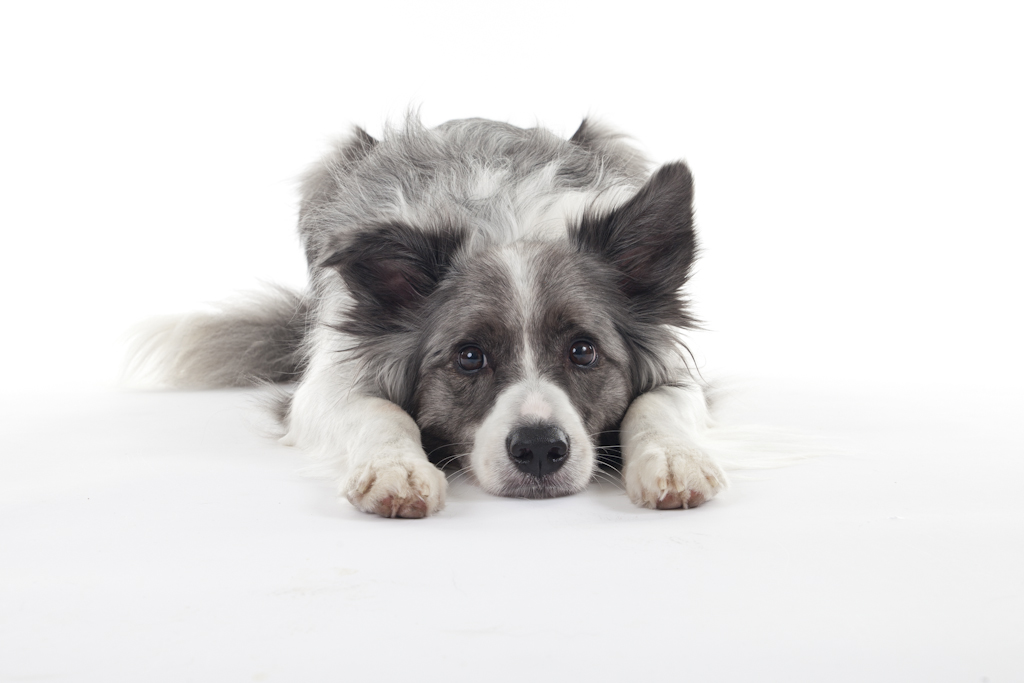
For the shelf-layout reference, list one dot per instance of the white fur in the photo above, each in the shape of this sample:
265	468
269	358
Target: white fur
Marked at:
369	446
665	462
489	458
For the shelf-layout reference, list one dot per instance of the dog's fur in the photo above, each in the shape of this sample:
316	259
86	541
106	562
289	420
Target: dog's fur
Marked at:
481	295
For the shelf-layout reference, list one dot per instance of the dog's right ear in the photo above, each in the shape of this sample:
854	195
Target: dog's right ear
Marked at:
391	269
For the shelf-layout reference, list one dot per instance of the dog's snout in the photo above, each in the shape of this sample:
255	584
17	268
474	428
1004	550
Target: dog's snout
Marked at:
538	449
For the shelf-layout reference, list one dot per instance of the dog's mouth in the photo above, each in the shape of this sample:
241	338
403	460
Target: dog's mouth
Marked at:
546	487
512	482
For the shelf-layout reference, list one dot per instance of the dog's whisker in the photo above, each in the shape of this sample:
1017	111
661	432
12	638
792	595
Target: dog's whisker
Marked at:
607	478
448	445
451	459
460	476
607	431
448	459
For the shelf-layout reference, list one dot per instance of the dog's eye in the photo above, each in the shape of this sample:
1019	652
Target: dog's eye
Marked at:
583	353
471	358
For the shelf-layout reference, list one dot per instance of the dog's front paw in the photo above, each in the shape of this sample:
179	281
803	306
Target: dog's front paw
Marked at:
670	475
406	487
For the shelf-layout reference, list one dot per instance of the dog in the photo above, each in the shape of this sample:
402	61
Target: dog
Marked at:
481	296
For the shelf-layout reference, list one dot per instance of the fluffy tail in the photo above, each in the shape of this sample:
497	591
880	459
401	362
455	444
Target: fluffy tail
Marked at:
254	339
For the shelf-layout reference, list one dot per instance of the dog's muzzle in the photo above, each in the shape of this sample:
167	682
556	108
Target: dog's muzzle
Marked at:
538	449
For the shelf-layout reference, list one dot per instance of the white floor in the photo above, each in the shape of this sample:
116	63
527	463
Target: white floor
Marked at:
162	537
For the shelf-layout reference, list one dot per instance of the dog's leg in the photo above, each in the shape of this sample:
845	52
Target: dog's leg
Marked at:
664	465
388	472
372	445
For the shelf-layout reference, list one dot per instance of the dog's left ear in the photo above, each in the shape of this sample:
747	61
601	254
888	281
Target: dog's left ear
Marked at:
649	240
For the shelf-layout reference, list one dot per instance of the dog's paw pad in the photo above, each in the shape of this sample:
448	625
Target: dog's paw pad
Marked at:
409	488
672	477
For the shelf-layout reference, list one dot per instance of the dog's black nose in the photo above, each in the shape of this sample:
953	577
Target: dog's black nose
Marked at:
538	449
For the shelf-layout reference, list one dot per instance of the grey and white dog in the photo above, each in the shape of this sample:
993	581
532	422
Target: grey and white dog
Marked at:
489	296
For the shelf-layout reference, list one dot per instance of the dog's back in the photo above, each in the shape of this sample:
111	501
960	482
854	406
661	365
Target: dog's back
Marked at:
498	182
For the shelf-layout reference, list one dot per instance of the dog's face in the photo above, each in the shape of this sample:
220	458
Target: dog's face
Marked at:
518	360
523	367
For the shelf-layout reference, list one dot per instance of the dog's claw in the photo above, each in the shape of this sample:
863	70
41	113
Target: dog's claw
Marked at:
406	509
674	500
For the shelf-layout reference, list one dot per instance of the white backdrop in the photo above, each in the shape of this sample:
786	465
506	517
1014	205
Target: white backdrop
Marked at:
859	197
858	167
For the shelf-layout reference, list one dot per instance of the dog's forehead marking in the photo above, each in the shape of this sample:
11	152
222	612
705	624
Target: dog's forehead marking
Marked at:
537	400
523	301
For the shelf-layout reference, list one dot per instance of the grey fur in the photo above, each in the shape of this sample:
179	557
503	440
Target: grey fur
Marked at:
430	176
252	339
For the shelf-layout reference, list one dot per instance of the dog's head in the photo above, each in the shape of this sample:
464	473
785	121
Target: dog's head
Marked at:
518	359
